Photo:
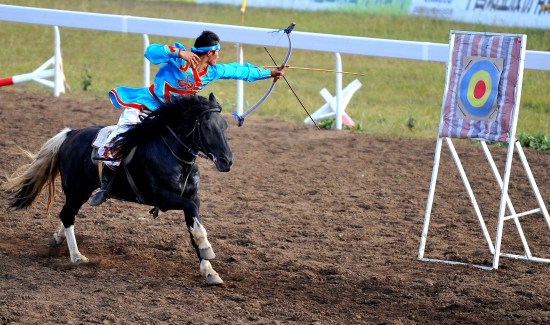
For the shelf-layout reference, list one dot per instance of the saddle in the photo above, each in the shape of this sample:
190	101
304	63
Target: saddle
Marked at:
99	140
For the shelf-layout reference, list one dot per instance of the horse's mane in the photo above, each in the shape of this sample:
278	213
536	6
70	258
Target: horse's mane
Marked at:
181	113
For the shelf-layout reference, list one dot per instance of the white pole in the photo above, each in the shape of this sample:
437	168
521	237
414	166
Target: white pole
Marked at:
339	108
509	156
533	183
34	76
503	197
58	76
240	57
240	83
429	203
437	157
146	64
470	192
496	173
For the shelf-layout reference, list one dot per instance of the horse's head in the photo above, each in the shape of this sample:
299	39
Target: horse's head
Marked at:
212	138
194	124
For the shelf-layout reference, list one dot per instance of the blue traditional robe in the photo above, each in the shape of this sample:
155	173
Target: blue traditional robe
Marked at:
176	77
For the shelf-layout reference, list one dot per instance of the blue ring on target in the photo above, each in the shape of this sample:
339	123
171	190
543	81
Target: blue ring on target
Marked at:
484	109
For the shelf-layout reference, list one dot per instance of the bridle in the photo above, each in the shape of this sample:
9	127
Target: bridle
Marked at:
195	134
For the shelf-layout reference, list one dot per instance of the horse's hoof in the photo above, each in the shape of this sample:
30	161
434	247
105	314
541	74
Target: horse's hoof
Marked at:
212	277
54	242
207	253
213	280
80	259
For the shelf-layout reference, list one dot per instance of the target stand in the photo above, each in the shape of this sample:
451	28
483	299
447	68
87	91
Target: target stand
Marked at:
481	102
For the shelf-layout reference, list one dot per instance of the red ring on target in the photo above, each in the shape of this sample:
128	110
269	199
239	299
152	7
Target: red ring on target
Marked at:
479	88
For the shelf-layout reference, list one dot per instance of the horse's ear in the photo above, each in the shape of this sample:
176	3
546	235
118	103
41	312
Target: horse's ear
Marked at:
213	101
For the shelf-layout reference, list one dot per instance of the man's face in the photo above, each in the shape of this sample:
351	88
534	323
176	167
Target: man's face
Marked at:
213	57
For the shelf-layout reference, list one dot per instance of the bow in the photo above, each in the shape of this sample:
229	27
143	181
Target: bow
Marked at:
240	119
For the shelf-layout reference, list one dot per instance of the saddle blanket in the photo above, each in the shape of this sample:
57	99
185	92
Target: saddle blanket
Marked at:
102	136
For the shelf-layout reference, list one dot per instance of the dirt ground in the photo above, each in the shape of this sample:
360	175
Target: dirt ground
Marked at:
309	227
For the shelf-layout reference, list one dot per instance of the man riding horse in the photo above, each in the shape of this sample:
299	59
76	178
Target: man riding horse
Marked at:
181	73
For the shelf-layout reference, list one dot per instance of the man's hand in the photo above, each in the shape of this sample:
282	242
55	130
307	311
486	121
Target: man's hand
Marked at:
277	74
190	57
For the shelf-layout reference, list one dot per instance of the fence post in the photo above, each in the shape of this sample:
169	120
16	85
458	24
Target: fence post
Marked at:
240	83
58	87
338	67
146	64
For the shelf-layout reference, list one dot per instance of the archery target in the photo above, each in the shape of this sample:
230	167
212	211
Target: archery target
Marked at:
478	88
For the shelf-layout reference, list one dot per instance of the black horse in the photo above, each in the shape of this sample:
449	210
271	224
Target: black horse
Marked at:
162	172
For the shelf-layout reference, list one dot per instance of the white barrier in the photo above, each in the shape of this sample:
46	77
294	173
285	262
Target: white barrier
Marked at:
423	51
330	108
40	75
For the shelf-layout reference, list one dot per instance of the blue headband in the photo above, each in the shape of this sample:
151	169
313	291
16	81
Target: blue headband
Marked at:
206	48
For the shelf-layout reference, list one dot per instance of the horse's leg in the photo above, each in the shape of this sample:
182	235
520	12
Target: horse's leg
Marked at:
203	248
58	236
196	230
200	242
67	217
199	236
77	192
78	179
193	221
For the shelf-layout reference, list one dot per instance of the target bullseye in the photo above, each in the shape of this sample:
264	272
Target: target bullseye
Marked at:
478	88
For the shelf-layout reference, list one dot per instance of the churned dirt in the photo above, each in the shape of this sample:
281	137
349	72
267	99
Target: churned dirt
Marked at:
309	227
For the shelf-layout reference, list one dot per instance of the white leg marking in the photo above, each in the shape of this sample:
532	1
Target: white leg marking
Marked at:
208	272
199	235
76	257
59	235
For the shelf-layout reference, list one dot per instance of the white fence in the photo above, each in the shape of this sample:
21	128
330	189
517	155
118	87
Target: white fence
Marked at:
424	51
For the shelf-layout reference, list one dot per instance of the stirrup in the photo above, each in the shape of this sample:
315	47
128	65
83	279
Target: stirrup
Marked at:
99	197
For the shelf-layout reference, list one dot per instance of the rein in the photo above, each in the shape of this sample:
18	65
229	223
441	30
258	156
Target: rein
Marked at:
133	185
194	153
191	163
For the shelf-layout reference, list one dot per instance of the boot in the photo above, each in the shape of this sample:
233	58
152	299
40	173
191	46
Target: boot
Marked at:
102	195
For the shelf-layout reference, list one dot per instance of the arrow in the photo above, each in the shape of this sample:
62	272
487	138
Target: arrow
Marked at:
314	69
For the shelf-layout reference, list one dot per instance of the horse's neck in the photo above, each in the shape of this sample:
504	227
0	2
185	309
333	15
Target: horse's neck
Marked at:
177	146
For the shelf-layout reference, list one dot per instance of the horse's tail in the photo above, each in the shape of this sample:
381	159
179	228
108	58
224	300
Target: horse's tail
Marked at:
29	180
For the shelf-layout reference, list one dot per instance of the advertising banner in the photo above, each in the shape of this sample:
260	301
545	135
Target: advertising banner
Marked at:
394	7
519	13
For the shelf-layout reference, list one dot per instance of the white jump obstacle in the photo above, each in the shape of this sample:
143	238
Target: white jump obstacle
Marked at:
330	109
52	68
335	106
481	102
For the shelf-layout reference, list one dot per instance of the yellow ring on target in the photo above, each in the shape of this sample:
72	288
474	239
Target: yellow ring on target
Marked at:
480	75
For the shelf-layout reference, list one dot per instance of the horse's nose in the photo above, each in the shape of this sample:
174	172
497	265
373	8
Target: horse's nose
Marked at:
224	164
